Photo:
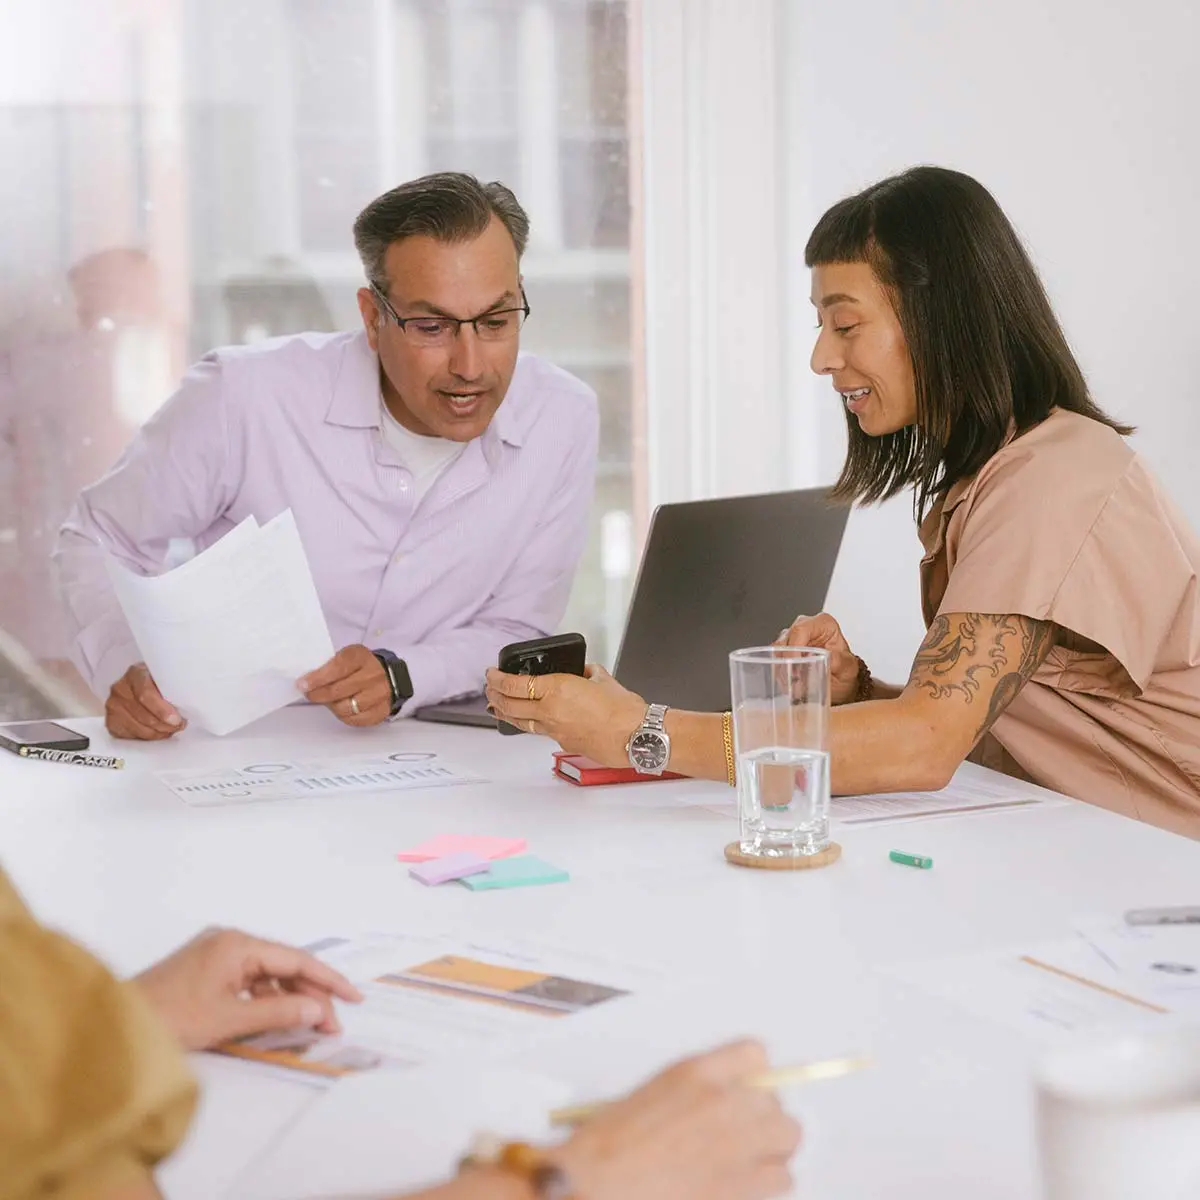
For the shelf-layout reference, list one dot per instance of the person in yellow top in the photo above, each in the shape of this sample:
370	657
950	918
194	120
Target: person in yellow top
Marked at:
94	1089
1060	584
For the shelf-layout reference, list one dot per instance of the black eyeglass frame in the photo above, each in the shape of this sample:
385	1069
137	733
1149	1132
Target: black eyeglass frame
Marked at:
458	322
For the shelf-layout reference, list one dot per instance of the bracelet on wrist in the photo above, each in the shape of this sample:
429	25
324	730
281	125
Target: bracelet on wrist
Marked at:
727	740
865	687
546	1179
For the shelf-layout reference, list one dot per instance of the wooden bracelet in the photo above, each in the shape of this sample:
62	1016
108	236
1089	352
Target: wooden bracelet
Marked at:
727	738
546	1180
865	688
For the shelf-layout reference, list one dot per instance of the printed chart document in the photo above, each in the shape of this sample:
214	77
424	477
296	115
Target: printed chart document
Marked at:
227	634
1048	989
291	779
433	1000
385	1133
974	790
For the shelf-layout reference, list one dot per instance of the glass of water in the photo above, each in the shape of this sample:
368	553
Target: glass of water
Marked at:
781	741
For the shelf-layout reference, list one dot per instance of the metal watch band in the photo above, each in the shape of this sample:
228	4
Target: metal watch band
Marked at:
655	714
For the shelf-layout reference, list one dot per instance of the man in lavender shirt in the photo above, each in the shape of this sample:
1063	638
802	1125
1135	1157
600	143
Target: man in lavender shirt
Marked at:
441	481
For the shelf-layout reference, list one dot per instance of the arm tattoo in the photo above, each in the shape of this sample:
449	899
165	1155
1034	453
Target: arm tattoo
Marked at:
963	656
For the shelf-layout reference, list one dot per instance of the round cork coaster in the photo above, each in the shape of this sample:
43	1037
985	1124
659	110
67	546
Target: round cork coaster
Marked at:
796	862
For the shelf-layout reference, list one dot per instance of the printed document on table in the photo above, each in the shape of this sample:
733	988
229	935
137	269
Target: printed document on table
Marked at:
1161	962
291	779
433	999
1044	990
973	790
227	634
388	1133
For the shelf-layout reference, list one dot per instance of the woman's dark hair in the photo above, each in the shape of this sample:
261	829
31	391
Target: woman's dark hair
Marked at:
987	350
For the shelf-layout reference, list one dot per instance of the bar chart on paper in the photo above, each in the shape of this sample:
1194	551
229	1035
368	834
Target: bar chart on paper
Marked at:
284	779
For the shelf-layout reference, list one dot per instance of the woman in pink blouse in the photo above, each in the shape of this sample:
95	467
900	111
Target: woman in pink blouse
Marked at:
1059	582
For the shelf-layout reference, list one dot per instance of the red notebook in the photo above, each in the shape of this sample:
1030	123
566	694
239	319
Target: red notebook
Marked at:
583	772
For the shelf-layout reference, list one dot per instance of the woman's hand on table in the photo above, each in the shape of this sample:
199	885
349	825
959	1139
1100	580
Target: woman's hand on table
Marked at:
591	715
225	984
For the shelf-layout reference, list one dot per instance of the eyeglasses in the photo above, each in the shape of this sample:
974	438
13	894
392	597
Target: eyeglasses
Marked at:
499	325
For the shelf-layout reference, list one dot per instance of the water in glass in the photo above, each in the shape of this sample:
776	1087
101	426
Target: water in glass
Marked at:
784	800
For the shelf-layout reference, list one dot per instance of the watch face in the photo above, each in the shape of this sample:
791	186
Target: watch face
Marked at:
648	750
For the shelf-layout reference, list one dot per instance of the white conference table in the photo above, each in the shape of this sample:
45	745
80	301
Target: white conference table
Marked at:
799	959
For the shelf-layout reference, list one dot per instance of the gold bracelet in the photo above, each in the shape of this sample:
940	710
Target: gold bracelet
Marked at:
727	737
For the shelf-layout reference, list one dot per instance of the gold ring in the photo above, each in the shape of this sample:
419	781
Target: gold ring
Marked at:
354	705
532	695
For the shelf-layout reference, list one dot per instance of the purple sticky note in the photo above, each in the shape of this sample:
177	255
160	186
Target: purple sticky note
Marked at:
452	866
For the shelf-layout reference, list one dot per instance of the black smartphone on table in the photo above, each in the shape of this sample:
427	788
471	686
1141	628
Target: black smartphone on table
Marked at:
561	654
41	735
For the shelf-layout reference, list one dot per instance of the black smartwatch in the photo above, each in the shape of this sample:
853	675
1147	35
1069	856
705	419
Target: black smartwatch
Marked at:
399	680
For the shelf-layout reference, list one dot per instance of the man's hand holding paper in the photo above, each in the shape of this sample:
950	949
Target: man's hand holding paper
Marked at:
224	636
137	709
353	685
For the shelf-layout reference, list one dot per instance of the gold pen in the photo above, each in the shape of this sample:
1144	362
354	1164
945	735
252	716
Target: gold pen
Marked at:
829	1068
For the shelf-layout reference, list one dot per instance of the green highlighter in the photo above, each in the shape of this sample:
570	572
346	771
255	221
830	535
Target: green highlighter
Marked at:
524	870
909	860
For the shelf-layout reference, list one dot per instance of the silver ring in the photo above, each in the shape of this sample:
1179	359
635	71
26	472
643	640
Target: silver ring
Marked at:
354	705
532	726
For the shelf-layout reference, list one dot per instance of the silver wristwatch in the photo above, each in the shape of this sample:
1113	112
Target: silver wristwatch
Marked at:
649	747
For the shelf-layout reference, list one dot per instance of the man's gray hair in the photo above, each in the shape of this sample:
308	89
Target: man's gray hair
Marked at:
449	206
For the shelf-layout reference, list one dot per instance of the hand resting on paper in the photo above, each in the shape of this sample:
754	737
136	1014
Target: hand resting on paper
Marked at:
698	1131
136	708
353	685
225	984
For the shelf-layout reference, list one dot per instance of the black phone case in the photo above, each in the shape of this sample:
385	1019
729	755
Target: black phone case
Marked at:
562	654
77	743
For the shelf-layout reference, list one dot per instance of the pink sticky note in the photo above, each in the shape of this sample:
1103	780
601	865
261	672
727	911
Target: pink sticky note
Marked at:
454	843
453	866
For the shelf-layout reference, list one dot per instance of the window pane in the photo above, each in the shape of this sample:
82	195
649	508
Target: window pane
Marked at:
190	171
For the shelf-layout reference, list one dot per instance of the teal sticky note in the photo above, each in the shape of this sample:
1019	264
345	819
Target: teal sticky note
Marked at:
521	871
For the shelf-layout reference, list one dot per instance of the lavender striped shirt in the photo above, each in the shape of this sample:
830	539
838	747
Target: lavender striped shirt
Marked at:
486	558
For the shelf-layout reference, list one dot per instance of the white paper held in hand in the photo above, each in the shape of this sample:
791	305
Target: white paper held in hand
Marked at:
227	634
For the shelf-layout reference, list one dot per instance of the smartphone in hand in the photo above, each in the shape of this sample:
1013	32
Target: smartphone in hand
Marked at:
561	654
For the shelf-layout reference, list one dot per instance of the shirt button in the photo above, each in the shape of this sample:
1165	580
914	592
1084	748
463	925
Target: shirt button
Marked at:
379	633
398	558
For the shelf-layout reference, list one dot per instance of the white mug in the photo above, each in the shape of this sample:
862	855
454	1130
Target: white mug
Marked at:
1119	1117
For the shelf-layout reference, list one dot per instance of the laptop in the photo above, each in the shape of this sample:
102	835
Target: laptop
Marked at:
716	575
471	710
719	575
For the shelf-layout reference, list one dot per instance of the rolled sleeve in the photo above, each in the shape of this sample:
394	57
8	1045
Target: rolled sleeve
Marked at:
1086	568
